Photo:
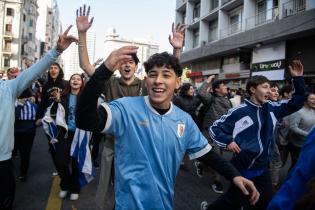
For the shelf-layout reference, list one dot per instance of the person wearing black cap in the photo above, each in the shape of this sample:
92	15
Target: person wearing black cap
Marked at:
217	104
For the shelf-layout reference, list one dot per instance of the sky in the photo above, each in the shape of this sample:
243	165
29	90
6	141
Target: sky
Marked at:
132	19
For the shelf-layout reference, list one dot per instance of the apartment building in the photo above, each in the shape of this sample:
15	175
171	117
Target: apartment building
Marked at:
10	31
70	57
235	39
29	19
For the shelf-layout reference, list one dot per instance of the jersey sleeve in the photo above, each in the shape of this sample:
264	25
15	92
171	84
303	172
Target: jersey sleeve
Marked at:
115	123
197	144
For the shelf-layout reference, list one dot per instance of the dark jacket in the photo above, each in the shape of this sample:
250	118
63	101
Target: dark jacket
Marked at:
216	105
252	126
47	98
188	104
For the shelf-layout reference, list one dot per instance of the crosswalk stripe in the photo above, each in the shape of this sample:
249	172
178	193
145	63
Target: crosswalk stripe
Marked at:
54	202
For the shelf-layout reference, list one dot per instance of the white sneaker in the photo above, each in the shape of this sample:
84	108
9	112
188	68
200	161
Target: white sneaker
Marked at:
55	173
74	196
63	193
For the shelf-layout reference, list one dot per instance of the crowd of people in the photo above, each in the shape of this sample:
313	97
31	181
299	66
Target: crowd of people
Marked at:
150	126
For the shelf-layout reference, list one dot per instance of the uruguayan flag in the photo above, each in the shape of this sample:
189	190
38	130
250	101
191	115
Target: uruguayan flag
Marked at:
25	110
80	151
50	124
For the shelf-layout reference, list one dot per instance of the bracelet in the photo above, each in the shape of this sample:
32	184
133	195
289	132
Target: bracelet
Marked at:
81	45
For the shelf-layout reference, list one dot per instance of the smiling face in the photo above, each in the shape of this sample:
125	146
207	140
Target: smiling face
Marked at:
260	93
76	82
191	91
274	93
310	101
161	83
54	71
127	70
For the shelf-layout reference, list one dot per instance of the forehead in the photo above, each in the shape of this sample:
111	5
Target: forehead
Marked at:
76	77
161	69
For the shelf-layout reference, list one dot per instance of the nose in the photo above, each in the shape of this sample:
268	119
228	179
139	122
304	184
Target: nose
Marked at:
158	79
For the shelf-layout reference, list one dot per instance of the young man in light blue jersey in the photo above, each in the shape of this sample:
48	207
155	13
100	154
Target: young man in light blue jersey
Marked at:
152	135
9	91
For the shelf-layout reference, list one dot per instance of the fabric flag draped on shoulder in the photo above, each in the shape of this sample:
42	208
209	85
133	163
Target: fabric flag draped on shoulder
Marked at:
80	151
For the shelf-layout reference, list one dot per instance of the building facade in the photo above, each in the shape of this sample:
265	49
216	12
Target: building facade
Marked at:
235	39
70	57
146	48
11	14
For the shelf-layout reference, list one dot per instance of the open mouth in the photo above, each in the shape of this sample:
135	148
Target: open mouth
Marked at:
158	90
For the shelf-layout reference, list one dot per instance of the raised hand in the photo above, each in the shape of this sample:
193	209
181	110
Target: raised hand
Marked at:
118	56
178	35
64	40
296	68
210	79
83	23
248	188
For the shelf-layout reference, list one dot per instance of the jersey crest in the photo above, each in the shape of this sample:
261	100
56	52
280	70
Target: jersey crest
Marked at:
180	129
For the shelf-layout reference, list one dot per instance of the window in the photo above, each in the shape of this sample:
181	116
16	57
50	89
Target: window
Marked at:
24	17
10	12
235	21
261	12
196	13
231	59
30	37
213	30
8	28
7	46
196	38
6	62
30	23
214	4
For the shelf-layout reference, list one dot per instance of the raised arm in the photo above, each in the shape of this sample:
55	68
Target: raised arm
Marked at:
203	91
297	101
88	116
29	75
83	25
177	39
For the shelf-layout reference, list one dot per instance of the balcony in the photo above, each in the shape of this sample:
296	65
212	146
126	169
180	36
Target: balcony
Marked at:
232	29
293	7
262	18
7	51
8	35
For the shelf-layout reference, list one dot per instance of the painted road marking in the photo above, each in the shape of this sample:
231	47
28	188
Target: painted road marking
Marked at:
54	202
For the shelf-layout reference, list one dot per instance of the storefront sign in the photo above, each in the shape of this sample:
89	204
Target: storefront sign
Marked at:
273	70
268	66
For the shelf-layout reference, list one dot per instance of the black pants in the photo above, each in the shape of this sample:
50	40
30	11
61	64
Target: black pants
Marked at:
295	153
7	184
24	143
234	198
96	139
69	178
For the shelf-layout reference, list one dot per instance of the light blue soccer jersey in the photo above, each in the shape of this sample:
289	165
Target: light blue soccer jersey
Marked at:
148	150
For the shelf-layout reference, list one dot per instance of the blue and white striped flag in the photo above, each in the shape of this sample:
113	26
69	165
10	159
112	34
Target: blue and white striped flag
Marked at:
80	151
26	110
50	124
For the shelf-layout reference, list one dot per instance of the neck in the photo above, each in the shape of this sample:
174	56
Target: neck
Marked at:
128	81
254	100
75	91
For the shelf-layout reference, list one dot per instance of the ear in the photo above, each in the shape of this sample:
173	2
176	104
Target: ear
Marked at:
252	90
178	82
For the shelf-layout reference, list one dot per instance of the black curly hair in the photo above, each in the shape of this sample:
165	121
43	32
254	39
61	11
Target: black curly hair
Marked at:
163	59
